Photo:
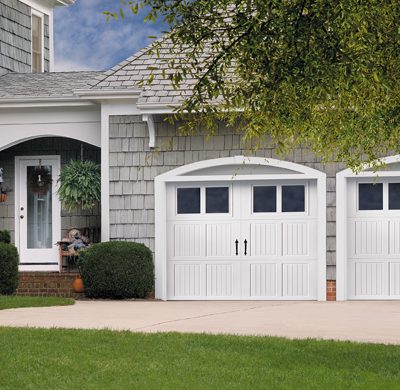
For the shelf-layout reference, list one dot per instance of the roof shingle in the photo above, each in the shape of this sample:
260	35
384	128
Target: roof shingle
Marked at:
57	84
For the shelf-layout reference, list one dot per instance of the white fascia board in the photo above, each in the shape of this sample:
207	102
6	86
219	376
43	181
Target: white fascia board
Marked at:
124	96
156	108
47	5
160	108
43	102
41	6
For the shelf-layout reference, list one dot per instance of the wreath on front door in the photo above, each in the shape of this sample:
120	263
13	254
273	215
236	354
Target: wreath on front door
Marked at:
39	181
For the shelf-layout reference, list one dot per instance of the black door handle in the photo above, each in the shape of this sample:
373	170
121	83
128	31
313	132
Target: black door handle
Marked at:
245	247
237	247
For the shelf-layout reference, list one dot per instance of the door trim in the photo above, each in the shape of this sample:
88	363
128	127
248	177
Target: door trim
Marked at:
188	173
56	211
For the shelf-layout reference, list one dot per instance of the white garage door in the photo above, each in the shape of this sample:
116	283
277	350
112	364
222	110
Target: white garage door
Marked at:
373	265
242	240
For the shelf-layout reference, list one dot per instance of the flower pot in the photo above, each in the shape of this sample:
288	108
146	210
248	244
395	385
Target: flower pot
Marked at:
3	197
78	285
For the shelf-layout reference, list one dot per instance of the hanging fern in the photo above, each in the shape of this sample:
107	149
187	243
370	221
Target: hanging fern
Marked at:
80	185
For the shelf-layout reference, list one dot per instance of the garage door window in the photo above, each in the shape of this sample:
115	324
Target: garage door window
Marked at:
264	199
370	196
217	200
394	196
293	199
188	200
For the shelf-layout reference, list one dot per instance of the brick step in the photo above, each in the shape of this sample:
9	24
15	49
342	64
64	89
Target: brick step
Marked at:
47	284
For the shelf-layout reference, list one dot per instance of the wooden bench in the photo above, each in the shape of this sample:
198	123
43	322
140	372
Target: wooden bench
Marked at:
93	233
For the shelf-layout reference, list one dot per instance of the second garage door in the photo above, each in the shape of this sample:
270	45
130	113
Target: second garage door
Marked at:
373	225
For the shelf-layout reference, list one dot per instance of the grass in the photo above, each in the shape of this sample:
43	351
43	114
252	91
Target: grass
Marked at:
11	302
102	359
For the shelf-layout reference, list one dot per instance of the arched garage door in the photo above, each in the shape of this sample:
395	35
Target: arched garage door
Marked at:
242	240
261	235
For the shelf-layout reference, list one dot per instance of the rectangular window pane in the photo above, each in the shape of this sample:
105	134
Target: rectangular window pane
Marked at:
370	196
217	200
36	44
293	199
394	196
264	199
188	200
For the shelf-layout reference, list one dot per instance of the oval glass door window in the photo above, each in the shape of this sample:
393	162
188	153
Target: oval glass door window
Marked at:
293	199
217	200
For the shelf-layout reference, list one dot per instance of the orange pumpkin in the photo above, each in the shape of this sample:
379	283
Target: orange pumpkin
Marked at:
78	285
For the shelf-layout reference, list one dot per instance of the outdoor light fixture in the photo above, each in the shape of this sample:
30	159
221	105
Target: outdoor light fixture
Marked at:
40	181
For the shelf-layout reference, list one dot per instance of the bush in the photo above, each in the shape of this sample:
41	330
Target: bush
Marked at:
5	236
9	276
117	270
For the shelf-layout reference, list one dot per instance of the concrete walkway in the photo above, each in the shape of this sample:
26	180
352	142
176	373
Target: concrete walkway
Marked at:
377	322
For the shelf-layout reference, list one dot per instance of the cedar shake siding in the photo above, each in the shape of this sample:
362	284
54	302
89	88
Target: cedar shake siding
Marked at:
15	38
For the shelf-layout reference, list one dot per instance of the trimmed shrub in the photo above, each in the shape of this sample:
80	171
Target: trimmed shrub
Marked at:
5	236
9	276
117	270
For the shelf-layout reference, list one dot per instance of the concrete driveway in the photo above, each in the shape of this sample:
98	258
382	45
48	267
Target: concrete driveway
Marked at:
377	322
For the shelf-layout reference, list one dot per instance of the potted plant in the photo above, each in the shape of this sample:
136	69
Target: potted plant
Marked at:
4	192
80	185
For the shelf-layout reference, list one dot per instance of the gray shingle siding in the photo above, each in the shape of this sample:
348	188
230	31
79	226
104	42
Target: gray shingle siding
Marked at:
15	38
132	190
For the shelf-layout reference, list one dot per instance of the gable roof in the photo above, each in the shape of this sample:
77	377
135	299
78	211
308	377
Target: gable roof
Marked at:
55	84
134	69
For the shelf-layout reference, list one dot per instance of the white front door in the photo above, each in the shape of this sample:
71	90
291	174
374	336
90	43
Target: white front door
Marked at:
38	217
373	226
242	240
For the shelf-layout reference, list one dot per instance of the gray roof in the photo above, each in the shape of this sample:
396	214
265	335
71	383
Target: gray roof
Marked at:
128	73
55	84
124	76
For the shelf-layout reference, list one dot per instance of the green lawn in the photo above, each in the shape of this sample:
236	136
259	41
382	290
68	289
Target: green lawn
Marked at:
10	302
103	359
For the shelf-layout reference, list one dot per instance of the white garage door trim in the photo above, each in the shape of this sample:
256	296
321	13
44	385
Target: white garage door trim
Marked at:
201	171
342	216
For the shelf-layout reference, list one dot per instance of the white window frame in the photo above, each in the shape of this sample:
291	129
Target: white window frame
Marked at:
41	16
